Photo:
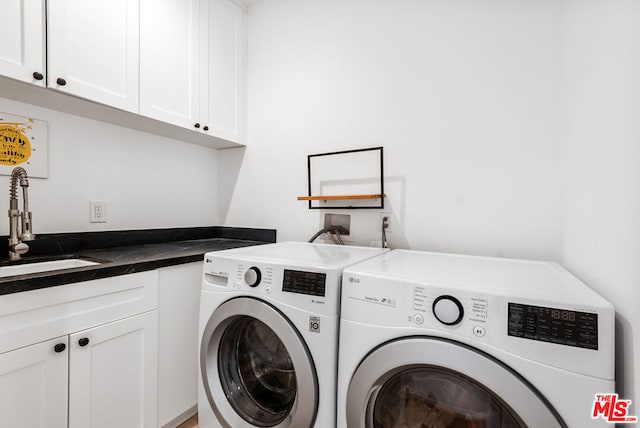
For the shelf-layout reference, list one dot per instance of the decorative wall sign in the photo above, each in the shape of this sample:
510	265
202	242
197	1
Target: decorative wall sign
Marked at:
23	142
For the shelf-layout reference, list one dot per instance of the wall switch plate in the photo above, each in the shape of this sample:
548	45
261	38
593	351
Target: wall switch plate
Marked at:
97	211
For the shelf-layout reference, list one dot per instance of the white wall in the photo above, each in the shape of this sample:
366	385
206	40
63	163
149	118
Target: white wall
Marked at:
601	102
148	181
462	95
510	128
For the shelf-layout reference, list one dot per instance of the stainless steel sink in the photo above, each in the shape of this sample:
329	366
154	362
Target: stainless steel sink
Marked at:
37	267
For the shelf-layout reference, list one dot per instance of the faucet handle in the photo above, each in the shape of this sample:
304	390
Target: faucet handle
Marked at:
19	248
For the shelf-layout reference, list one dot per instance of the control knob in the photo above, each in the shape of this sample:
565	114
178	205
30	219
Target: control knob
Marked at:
252	276
448	310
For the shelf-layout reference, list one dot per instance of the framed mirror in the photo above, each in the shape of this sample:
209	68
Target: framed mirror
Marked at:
347	179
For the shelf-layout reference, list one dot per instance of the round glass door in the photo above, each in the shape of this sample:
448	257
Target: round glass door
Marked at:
256	369
432	397
421	382
256	372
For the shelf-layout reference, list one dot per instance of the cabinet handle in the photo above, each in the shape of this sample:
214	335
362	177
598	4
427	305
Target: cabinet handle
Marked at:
37	75
60	347
197	125
206	128
60	81
83	342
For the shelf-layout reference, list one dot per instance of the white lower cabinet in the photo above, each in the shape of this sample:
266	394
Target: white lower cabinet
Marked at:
113	374
179	307
101	367
108	374
33	385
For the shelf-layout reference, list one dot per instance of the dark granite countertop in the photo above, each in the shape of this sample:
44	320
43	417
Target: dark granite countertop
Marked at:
125	252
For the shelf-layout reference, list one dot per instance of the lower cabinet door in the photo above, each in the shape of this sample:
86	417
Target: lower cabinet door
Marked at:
33	385
113	374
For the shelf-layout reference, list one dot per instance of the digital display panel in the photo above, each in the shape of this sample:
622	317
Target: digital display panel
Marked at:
302	282
560	326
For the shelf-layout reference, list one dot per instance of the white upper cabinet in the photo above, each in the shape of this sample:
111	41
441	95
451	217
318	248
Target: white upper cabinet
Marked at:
169	61
192	56
223	107
180	62
93	50
22	40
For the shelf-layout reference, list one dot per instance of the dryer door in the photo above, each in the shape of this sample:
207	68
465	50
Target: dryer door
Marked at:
256	368
431	382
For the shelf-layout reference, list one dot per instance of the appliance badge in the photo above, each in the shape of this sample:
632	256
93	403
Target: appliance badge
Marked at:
314	324
353	280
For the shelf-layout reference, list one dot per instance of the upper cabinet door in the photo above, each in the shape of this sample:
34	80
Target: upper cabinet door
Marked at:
93	49
224	73
22	54
169	61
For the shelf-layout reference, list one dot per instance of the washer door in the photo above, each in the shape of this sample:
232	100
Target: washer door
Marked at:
256	368
431	382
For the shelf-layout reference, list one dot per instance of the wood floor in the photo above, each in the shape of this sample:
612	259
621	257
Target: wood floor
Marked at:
192	422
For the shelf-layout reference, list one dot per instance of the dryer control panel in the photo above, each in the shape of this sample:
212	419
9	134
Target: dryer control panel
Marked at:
535	310
553	325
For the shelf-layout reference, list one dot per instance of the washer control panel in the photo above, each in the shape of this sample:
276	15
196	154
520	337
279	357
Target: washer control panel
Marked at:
253	276
302	282
315	289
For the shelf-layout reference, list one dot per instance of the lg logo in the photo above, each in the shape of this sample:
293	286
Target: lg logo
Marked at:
353	280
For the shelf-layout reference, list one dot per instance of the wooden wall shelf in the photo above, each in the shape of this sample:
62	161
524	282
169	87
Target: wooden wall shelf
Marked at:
338	197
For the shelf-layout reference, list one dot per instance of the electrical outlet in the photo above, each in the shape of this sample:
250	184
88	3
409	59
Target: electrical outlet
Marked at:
97	211
385	219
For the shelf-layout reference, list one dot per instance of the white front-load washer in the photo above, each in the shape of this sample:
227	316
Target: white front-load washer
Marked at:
269	318
440	340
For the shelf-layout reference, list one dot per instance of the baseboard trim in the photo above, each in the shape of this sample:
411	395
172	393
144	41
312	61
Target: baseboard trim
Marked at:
175	422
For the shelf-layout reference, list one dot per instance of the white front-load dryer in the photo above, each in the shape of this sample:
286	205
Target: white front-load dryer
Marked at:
441	340
269	318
